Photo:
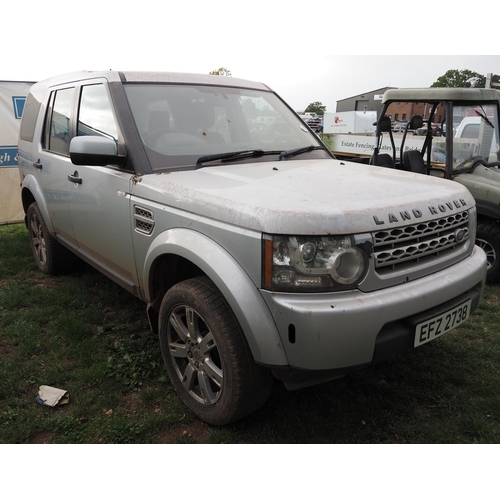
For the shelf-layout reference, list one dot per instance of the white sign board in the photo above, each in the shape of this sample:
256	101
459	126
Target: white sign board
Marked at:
12	100
364	145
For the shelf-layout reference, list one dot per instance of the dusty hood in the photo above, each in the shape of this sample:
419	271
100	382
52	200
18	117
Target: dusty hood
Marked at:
306	197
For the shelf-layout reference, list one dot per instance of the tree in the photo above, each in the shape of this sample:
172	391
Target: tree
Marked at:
495	81
221	72
316	107
463	78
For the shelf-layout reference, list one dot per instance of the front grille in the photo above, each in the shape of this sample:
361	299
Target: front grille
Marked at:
144	220
415	243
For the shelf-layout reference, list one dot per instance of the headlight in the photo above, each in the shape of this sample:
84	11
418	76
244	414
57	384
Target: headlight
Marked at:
312	263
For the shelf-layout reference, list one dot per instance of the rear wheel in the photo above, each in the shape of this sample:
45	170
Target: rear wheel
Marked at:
49	255
207	356
488	238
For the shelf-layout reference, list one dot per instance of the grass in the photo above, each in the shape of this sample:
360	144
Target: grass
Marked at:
82	333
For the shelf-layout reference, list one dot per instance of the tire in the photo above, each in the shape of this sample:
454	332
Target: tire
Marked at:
488	238
50	256
207	356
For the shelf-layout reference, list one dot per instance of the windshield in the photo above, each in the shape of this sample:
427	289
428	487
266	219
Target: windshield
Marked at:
178	124
475	135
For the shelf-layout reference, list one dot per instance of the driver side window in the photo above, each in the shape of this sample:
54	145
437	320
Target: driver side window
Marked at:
95	115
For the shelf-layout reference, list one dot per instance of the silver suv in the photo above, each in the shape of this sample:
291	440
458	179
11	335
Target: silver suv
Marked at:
258	254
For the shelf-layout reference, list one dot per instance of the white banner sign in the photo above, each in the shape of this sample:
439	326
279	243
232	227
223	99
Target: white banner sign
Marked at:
12	100
364	145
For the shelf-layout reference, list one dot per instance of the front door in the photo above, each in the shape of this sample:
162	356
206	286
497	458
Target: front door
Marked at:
100	199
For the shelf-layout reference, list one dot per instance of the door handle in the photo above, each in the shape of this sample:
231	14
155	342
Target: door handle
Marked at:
75	179
37	164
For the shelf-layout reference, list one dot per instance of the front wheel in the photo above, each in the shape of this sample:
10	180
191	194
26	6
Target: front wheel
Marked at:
488	238
207	356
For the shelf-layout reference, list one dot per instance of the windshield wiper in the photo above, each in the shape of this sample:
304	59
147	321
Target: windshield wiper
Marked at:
484	117
232	155
298	151
252	153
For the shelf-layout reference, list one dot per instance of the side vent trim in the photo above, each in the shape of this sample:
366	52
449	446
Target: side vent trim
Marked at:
144	220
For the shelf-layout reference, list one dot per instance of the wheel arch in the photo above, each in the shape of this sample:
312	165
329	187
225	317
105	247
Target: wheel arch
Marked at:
174	256
488	238
487	212
31	192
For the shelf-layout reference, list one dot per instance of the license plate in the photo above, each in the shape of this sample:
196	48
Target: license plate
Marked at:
439	325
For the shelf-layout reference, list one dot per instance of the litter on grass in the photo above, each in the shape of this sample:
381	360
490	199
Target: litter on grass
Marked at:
51	396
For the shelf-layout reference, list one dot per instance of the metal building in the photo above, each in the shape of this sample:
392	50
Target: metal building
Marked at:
368	101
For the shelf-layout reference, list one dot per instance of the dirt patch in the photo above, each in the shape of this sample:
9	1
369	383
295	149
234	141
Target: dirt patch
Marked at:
196	432
193	432
42	438
493	300
132	401
5	349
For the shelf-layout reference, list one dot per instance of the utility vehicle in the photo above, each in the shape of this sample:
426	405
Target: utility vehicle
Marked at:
464	147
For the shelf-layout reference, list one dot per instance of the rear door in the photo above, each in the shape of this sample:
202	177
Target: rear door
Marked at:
54	163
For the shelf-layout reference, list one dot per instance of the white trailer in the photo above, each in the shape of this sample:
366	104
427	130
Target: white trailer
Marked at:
12	99
350	122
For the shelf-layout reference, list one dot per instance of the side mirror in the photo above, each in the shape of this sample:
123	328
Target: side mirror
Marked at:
95	151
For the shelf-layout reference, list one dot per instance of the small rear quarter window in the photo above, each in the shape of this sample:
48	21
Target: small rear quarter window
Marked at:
30	114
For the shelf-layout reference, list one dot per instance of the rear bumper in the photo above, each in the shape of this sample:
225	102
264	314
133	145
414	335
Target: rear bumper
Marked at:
331	334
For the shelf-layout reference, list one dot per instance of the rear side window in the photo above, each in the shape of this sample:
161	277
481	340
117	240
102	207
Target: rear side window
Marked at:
58	121
30	114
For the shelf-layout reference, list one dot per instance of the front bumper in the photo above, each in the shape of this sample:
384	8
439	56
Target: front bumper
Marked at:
336	332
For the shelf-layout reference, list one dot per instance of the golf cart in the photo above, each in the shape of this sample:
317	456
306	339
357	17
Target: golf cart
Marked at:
463	147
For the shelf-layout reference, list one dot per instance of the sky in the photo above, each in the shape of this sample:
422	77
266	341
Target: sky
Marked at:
308	52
